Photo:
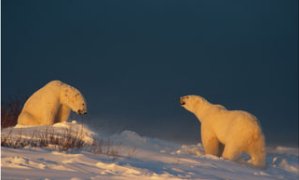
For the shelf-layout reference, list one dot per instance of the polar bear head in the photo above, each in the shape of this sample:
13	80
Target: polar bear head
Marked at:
192	102
74	100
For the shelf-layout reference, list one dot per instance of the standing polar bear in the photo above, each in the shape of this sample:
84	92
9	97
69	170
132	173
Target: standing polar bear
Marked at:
238	131
51	104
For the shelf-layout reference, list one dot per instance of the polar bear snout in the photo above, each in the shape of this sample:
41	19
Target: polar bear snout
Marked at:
182	102
82	112
187	102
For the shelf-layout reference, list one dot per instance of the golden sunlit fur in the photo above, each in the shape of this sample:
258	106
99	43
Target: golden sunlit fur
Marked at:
238	131
51	104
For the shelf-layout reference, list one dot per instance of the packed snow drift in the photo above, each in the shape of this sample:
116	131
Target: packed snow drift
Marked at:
126	155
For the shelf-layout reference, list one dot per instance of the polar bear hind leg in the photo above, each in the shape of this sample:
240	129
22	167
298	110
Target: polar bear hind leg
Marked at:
27	119
231	152
257	153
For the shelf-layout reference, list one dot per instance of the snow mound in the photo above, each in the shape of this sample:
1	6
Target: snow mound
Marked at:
196	150
288	150
132	139
58	133
132	136
289	166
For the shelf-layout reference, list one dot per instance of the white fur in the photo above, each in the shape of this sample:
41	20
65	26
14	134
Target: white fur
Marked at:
238	131
51	104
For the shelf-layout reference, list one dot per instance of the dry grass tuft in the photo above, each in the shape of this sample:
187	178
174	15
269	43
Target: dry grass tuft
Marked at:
47	139
10	112
102	146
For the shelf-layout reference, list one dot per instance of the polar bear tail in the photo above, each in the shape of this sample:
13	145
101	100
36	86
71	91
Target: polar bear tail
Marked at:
257	151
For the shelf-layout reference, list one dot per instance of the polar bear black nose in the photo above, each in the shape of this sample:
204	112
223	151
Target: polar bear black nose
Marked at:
182	102
82	112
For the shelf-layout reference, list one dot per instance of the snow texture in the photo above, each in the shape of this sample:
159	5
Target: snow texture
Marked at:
136	157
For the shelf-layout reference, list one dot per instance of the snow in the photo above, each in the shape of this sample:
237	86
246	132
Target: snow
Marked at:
59	130
131	156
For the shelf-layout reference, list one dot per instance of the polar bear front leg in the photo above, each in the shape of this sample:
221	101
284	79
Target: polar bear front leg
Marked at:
210	141
49	115
63	114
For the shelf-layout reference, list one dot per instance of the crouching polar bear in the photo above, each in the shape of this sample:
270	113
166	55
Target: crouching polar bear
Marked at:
51	104
238	131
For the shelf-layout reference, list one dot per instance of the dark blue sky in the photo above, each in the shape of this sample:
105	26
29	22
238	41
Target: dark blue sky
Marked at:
134	59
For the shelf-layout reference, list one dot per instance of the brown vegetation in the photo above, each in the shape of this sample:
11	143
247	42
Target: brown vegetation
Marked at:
47	139
10	112
68	141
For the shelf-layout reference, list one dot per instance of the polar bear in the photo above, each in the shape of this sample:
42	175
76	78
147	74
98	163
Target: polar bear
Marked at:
51	104
238	131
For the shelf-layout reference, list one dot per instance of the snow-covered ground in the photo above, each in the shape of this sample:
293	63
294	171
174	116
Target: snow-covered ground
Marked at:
131	156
